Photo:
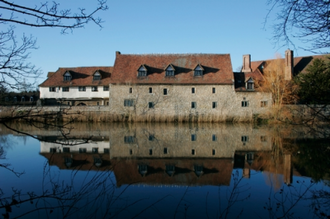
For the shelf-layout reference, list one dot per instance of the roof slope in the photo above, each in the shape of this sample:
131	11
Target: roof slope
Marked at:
217	69
81	76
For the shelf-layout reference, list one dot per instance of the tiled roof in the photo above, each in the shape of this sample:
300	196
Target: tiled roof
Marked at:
217	69
81	76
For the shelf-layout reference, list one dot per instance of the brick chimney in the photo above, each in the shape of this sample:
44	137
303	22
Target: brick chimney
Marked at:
288	69
246	63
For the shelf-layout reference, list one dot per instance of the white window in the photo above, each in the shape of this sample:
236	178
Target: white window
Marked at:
94	89
82	89
245	103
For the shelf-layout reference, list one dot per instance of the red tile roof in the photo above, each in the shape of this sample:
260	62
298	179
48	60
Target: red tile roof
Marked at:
81	76
217	69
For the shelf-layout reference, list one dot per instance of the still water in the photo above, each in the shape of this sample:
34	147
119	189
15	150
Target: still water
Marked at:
164	171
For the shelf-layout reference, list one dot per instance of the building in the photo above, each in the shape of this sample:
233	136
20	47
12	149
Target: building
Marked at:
171	87
181	87
77	86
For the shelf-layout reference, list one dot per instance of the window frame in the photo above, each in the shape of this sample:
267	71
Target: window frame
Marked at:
151	105
67	76
106	88
263	103
97	76
82	88
193	105
52	89
165	91
65	89
214	105
245	103
128	102
94	88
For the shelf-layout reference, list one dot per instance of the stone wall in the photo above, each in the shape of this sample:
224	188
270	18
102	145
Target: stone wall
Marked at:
213	103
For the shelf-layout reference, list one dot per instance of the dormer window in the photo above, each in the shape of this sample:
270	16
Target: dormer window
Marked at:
198	71
142	71
67	76
169	71
250	84
97	76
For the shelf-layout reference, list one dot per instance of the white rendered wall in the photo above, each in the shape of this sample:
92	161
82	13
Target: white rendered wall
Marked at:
73	93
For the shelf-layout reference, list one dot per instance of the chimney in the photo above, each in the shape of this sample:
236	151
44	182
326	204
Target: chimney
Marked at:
117	53
288	70
246	63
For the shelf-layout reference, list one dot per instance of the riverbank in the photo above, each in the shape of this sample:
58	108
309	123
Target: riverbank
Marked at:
287	113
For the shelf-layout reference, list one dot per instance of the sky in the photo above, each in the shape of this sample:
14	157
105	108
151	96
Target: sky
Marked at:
234	27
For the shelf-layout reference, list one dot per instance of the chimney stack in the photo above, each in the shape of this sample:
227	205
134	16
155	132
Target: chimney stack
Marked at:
288	70
246	63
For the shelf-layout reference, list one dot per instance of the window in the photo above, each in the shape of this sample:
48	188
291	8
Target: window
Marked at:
67	76
213	151
23	99
94	89
130	90
97	103
214	105
245	103
66	150
150	151
65	89
82	89
169	72
82	150
105	88
130	151
129	139
52	89
192	90
151	105
165	91
193	105
97	76
150	90
249	86
193	151
193	137
165	150
263	103
151	137
52	150
213	90
106	150
95	150
142	72
31	99
263	138
198	71
244	138
128	102
214	138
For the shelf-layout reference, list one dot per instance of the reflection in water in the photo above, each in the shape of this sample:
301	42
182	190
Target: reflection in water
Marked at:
137	168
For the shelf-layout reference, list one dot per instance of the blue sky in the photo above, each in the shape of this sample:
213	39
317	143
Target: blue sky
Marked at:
154	26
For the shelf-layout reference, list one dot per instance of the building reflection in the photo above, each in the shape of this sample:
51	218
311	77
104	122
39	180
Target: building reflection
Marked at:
172	154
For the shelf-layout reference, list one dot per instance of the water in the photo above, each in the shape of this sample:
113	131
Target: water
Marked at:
164	171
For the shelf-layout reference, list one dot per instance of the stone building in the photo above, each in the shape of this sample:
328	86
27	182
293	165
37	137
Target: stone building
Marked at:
181	87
